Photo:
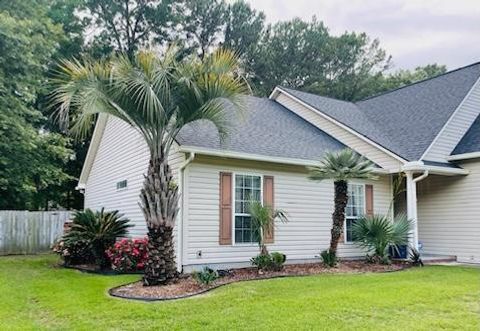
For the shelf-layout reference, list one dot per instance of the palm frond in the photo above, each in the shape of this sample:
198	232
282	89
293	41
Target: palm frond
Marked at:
376	233
342	166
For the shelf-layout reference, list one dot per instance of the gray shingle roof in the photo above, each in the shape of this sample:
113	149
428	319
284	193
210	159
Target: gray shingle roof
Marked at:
471	140
264	128
406	120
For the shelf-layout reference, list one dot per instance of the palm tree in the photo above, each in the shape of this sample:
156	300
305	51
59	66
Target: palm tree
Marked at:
263	218
341	167
157	96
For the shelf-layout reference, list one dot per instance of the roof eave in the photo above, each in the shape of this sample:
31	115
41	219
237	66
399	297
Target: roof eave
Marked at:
464	156
419	166
256	157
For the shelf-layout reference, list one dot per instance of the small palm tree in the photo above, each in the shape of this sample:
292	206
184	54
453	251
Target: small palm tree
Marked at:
263	218
377	233
157	96
341	167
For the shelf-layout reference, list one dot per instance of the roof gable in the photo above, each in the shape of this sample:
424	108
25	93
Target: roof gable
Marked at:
470	143
406	120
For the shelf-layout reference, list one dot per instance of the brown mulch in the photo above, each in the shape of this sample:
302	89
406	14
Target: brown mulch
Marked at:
187	286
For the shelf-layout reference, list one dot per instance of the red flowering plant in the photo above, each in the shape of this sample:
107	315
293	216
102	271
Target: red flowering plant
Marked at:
128	255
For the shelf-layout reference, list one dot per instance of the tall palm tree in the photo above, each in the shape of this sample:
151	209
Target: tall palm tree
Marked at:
157	96
341	167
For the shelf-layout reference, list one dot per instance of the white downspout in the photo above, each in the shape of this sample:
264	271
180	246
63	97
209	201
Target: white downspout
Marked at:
412	212
182	209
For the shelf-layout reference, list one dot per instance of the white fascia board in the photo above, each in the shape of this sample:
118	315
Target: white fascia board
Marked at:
278	90
464	156
419	166
450	120
257	157
92	151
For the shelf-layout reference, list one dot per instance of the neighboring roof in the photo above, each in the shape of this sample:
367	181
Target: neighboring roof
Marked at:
470	142
406	120
264	128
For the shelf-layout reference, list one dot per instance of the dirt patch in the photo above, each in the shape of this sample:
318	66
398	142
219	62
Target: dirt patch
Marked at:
187	286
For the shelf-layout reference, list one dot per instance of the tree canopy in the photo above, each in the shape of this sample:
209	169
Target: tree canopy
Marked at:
39	165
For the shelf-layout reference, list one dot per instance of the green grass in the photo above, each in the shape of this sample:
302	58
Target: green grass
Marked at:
35	294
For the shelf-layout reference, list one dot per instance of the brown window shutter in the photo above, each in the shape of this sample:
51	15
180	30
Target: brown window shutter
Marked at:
369	200
225	208
268	200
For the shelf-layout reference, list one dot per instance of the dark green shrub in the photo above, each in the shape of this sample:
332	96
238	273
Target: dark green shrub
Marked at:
269	262
329	258
278	259
206	276
98	231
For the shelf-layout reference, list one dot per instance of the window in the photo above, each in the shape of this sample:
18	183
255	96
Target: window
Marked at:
122	185
247	188
355	208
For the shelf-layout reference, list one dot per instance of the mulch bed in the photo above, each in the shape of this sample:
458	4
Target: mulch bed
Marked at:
187	286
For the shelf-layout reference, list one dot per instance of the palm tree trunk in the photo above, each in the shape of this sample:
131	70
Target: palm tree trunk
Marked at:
159	203
338	216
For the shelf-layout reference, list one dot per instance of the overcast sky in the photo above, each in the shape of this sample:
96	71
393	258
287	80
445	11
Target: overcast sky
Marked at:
414	32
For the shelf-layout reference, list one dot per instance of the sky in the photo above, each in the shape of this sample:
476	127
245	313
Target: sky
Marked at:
414	32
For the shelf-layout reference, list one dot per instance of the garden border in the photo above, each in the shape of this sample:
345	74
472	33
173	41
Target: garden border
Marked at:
149	299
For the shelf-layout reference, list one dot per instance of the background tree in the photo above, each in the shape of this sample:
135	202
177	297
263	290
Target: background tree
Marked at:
127	25
341	167
31	158
157	97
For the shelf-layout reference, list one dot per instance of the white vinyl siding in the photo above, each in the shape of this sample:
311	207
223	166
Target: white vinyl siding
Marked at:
449	214
309	206
349	139
456	128
122	156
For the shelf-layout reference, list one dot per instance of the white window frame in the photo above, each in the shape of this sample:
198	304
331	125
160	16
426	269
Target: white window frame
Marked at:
234	174
354	217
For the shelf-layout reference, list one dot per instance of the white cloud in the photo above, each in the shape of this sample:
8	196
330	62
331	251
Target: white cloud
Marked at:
413	32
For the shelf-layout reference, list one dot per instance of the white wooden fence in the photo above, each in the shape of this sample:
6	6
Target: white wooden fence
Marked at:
30	232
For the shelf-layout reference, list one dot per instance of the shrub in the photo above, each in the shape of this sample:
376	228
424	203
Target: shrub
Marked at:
278	259
329	258
206	276
73	253
98	231
377	233
269	262
128	255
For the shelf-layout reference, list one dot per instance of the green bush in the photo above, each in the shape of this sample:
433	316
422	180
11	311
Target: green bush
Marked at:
377	233
269	262
206	276
329	258
96	232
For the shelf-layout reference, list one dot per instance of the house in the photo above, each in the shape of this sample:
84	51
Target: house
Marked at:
427	132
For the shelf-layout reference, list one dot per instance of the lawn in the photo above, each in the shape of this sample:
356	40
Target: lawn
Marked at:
35	294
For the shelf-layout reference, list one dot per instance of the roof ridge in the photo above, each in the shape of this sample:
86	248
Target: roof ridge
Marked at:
418	82
315	94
